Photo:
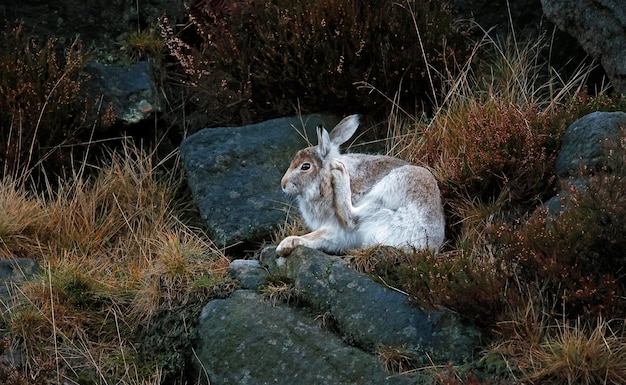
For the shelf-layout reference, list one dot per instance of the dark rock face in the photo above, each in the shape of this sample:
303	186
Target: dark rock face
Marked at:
600	28
245	340
130	90
368	314
234	175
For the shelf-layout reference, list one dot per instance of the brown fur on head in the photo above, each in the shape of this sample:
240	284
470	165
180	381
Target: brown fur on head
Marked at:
303	171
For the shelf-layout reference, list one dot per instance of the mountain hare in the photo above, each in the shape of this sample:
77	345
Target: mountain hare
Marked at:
352	201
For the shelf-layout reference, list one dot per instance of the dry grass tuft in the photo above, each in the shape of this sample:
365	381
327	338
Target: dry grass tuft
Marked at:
21	214
143	44
366	260
280	290
397	359
113	253
553	352
293	225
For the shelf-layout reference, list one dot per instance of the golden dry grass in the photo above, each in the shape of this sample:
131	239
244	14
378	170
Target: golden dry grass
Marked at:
113	252
279	292
21	214
397	360
543	350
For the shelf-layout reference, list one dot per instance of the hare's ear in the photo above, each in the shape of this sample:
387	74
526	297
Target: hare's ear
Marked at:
344	130
324	144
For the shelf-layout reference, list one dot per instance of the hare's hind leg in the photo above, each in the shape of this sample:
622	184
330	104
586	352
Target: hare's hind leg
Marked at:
342	196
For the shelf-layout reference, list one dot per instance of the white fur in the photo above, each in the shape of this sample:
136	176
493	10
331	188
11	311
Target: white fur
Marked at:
352	201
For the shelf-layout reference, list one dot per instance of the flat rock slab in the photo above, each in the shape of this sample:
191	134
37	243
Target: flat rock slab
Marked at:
234	175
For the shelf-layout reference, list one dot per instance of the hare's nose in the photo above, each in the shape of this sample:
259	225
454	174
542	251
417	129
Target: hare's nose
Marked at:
283	183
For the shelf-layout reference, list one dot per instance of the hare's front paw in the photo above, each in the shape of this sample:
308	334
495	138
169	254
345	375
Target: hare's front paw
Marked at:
286	246
339	173
337	165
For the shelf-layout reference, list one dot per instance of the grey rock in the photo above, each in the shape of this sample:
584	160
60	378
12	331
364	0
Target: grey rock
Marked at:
368	314
248	272
584	142
556	204
18	270
243	340
584	146
600	28
234	175
129	89
15	271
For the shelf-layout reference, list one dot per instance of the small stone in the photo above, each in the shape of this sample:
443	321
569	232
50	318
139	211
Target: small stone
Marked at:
248	272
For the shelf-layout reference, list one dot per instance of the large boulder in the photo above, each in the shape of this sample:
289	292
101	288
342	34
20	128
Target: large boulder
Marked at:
234	175
245	340
600	28
340	321
368	314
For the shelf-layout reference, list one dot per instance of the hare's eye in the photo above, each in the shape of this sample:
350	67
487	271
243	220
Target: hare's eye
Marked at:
305	166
